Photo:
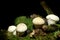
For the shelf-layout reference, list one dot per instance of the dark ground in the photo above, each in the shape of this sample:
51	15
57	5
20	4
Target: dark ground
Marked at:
12	9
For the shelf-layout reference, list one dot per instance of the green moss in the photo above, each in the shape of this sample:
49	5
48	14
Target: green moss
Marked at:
14	38
24	19
58	25
20	19
56	33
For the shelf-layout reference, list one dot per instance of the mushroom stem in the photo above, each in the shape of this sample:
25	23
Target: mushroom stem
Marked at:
50	21
14	33
46	8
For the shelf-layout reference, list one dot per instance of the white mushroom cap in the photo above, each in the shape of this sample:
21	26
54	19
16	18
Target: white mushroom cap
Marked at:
11	28
14	33
21	27
38	21
52	17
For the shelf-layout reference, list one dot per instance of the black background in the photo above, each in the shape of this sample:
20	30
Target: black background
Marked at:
12	9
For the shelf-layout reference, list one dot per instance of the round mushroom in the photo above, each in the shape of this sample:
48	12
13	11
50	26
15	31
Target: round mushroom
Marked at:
21	28
11	28
52	19
38	21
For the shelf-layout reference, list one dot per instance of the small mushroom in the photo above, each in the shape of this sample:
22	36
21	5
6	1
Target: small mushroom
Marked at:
21	28
38	21
11	28
52	19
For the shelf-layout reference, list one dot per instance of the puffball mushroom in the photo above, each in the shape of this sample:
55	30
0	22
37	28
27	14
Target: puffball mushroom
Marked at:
38	21
21	28
52	19
11	28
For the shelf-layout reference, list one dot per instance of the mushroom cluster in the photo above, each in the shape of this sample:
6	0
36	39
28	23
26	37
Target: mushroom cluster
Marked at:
36	26
21	27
